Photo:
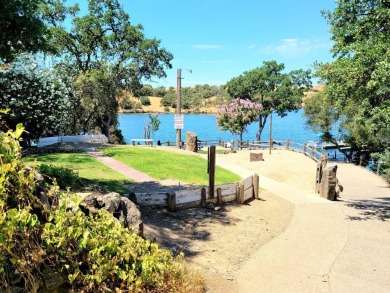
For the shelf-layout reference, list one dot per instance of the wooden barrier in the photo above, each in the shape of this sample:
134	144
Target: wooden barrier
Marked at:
241	192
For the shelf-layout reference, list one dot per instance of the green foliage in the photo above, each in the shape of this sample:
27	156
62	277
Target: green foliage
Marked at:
35	95
236	116
65	178
82	163
357	90
95	253
21	28
99	254
383	160
274	90
145	101
152	127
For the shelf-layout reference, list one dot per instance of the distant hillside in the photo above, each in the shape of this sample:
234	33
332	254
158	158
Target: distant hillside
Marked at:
209	105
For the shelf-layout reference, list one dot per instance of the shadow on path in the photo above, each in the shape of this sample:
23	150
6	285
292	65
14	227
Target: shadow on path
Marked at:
369	209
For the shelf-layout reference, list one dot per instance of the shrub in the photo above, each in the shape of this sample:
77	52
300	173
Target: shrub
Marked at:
94	253
65	178
145	101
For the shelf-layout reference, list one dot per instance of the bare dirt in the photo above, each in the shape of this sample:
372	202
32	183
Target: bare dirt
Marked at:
217	242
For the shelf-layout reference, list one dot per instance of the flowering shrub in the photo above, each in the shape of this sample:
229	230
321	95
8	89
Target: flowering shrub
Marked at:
236	116
35	95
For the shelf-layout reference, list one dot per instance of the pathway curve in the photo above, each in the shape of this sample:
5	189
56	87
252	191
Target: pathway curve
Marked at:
341	246
120	167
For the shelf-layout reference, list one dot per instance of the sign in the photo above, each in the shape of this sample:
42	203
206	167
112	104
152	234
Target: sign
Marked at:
179	121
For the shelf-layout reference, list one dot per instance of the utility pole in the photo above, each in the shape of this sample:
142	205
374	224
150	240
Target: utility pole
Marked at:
178	107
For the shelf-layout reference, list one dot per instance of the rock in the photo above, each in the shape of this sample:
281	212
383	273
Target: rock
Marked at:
119	207
189	229
111	202
130	216
210	206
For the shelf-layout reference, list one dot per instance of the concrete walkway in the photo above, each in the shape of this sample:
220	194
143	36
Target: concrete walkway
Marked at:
341	246
120	167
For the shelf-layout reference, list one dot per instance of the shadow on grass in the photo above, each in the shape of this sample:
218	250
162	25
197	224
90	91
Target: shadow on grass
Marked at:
376	209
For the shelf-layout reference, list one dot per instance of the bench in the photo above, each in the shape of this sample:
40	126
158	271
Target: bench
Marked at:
145	140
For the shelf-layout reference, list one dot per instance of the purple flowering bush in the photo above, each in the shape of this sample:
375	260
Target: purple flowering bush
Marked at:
236	116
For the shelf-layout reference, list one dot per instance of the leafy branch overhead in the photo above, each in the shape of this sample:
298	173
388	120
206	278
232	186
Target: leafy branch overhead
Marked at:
356	97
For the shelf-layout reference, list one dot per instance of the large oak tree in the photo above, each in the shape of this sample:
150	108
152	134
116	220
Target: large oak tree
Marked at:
357	93
273	89
103	39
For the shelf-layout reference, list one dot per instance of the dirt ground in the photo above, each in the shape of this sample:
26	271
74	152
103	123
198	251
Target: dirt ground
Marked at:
217	242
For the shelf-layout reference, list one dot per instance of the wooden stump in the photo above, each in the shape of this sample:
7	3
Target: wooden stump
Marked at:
191	142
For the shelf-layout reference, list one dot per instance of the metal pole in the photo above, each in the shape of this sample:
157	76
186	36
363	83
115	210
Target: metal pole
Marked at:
270	134
178	107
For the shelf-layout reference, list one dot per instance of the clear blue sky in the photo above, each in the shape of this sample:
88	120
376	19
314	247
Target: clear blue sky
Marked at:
220	39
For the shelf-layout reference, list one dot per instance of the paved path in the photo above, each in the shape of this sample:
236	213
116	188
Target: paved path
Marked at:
120	167
341	246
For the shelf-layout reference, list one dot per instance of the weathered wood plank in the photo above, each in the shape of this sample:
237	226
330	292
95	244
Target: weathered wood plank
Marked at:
149	199
248	193
227	189
248	182
256	185
229	198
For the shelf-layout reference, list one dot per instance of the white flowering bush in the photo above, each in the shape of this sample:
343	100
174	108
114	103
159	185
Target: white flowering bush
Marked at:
36	97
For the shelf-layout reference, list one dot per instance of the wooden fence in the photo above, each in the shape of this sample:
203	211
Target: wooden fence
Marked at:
241	192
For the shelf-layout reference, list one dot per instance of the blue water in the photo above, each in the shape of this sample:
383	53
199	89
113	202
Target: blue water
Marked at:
205	126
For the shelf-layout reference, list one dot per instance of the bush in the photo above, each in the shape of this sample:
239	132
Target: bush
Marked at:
94	253
65	178
145	101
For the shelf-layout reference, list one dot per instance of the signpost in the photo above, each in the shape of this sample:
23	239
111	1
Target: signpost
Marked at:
179	121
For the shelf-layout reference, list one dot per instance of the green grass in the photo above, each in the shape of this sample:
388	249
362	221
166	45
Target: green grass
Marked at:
161	164
87	167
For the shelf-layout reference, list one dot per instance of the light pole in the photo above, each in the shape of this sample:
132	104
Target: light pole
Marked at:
178	105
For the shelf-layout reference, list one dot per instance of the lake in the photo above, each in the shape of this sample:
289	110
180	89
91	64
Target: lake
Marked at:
205	126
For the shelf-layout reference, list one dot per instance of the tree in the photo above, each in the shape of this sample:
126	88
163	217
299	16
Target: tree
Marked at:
152	126
36	96
274	90
236	116
21	28
356	96
104	40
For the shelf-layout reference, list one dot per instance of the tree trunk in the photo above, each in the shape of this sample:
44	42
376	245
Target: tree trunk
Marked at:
262	122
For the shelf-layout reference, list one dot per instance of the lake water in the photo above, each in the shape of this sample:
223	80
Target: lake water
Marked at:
205	126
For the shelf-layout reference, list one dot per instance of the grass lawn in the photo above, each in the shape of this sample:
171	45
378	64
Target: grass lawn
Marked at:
87	167
161	164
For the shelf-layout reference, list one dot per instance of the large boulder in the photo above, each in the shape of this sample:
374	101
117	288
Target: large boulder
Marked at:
118	206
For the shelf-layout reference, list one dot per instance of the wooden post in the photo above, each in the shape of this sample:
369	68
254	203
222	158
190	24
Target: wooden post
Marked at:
256	185
203	197
172	202
219	195
304	148
288	144
238	193
232	145
312	152
361	160
211	170
241	195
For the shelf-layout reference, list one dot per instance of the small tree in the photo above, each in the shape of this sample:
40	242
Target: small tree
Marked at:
152	127
236	116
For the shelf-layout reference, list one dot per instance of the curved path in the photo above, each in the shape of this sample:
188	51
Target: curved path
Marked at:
341	246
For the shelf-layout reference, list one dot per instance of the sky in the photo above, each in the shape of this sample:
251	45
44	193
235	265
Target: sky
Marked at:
220	39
